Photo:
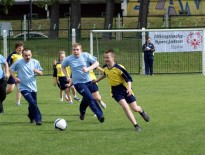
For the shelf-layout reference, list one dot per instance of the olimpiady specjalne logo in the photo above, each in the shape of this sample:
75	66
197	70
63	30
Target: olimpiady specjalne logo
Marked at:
194	39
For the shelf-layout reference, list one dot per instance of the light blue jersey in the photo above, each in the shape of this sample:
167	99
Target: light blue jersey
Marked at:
2	61
76	64
26	74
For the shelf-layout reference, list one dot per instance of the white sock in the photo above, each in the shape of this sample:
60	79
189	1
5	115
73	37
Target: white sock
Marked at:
18	102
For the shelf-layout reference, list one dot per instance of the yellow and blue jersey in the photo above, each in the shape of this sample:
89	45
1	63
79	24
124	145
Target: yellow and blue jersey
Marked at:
57	70
117	75
12	58
92	75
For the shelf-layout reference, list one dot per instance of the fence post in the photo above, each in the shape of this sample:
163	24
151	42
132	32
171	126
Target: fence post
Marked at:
203	54
143	41
24	27
73	36
91	42
5	43
118	26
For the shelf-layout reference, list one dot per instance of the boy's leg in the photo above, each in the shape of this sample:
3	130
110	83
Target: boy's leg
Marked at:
2	94
34	111
85	92
151	60
146	65
82	108
127	111
18	96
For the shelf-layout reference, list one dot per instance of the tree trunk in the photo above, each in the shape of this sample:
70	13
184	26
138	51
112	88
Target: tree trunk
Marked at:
75	18
143	14
54	20
109	18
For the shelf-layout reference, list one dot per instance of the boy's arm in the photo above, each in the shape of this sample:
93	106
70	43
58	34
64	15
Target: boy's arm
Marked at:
38	71
6	68
93	66
66	74
54	81
17	80
100	69
129	89
99	79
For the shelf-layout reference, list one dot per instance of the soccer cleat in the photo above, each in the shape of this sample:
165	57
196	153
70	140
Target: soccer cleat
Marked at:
31	120
145	116
61	99
76	98
82	117
137	128
101	119
95	115
71	102
39	123
103	105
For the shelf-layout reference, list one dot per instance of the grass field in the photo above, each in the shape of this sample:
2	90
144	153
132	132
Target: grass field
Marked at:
175	104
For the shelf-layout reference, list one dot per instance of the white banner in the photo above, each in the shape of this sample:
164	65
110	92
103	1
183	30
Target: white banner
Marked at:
177	41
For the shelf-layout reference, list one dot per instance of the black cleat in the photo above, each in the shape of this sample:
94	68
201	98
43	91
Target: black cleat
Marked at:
137	129
101	119
31	120
82	117
39	123
145	116
77	99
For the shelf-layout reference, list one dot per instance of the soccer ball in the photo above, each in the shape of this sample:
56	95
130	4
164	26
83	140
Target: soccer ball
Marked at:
60	124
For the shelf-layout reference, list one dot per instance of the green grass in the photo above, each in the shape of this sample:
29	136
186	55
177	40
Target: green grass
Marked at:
175	104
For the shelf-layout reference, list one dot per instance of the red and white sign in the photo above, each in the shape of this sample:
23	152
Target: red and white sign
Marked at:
177	41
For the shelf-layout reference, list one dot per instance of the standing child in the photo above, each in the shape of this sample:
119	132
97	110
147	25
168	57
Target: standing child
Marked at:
121	89
3	77
11	59
61	81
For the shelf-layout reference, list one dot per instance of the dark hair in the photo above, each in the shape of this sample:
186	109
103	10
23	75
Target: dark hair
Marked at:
110	51
147	37
25	50
20	43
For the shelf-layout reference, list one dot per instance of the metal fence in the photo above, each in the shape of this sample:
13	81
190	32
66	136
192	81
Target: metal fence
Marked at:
43	49
128	48
128	51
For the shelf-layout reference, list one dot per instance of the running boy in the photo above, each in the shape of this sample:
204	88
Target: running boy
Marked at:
120	82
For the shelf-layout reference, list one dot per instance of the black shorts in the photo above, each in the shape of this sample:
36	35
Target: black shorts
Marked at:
62	83
94	88
120	92
11	80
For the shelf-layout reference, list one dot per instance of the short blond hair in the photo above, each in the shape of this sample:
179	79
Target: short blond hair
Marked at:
76	45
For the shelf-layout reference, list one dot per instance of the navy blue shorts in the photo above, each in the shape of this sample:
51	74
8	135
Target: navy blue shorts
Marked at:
11	80
62	83
120	92
94	88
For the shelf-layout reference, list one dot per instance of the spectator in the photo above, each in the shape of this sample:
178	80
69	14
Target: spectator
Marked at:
148	49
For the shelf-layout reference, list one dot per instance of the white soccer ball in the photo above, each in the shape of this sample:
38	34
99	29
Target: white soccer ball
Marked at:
60	124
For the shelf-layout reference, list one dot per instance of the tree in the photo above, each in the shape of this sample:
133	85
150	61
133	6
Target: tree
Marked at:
7	4
108	18
54	20
75	18
143	14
